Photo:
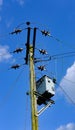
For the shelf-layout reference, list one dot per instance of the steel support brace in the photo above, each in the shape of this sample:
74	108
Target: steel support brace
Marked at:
44	108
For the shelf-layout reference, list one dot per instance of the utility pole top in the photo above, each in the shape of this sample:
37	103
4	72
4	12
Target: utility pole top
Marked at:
28	23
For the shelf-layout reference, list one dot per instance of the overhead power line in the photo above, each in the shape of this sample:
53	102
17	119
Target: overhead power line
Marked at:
53	57
69	80
66	93
30	60
63	54
8	94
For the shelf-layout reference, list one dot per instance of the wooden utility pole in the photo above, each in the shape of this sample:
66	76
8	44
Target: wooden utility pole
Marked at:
34	118
35	96
30	49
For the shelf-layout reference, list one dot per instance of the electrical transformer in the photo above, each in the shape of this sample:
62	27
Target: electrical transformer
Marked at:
45	89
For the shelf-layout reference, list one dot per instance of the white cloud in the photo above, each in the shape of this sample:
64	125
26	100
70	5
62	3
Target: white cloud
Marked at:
69	126
4	54
68	82
21	2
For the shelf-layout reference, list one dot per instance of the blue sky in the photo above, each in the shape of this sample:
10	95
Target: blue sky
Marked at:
58	17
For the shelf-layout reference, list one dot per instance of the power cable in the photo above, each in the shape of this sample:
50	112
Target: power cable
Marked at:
11	89
27	23
61	54
16	31
58	56
47	33
17	50
4	35
20	25
66	93
26	112
55	67
69	80
52	58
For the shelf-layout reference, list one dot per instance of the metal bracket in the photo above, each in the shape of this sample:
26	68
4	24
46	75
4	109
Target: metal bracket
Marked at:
48	104
44	108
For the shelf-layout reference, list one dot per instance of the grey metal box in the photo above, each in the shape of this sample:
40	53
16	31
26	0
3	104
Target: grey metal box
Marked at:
45	88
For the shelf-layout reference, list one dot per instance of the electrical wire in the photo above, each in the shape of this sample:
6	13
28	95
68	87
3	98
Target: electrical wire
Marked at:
57	39
4	35
33	23
62	88
69	80
41	60
49	35
63	57
53	57
62	54
58	56
55	68
9	52
20	25
6	97
66	93
26	112
10	33
24	23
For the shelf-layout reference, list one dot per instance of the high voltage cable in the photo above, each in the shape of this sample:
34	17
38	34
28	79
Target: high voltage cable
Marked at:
17	30
53	57
66	93
11	33
11	89
28	23
46	33
26	114
63	54
4	35
69	80
17	50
